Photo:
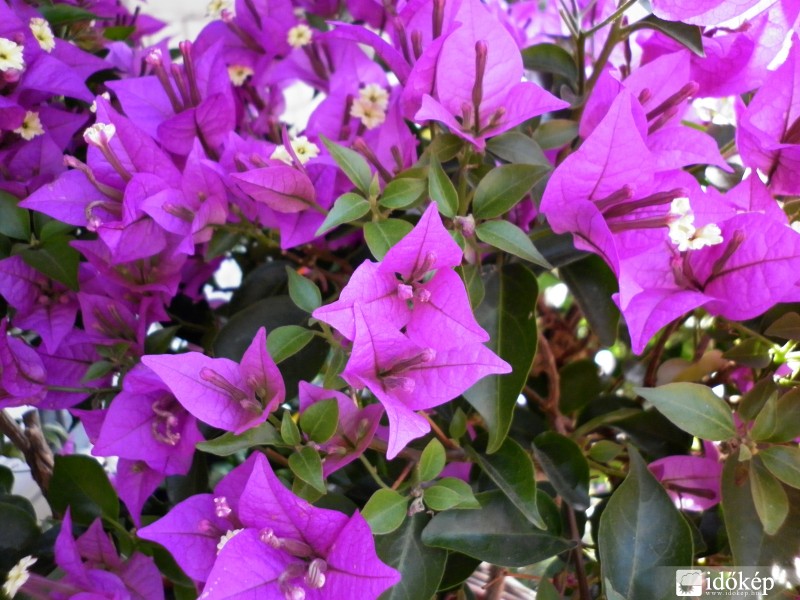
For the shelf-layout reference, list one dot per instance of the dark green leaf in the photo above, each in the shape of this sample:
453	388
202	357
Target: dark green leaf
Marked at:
46	227
779	419
160	340
441	189
640	531
754	400
508	237
80	483
64	14
497	533
751	352
579	383
96	370
347	208
351	163
786	327
432	460
694	408
305	491
287	341
749	544
459	568
511	468
290	433
56	259
507	314
518	148
319	421
421	566
769	497
222	242
230	443
119	33
565	466
592	284
403	192
471	275
549	58
385	511
303	292
450	493
555	133
604	451
503	187
14	221
783	462
546	590
381	236
18	530
445	147
6	480
307	465
689	36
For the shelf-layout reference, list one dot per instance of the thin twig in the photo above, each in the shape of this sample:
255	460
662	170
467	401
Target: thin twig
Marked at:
32	443
577	554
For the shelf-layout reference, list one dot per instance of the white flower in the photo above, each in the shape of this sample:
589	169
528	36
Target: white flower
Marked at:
31	126
683	233
303	149
10	55
239	74
371	115
375	94
18	575
99	134
299	36
43	34
226	538
215	8
707	235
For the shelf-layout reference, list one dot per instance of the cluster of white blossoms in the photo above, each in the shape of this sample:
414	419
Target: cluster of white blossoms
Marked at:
684	234
43	34
299	36
303	150
11	55
370	106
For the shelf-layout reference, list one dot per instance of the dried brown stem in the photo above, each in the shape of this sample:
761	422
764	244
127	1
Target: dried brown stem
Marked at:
32	443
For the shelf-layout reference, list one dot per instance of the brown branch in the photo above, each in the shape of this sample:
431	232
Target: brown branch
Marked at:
577	555
497	583
33	445
553	385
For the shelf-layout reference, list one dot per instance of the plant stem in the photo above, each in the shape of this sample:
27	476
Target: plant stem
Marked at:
612	17
373	473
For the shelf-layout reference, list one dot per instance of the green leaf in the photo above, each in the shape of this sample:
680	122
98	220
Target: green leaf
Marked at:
14	221
229	443
779	419
458	424
445	147
507	314
6	480
420	565
508	237
503	187
303	292
441	189
546	590
287	341
751	352
579	383
511	468
385	511
64	14
592	284
119	33
307	466
347	208
351	163
320	420
783	462
450	493
497	533
754	400
640	531
694	408
549	58
160	340
18	531
689	36
432	460
458	570
97	370
769	497
555	133
750	545
381	236
471	276
565	466
518	148
56	259
604	451
403	192
289	430
80	483
786	327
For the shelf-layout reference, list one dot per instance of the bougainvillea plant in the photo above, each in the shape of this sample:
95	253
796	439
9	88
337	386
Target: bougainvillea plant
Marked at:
514	290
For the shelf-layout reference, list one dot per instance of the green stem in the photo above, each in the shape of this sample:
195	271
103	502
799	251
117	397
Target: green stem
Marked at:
373	473
77	390
612	17
605	54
